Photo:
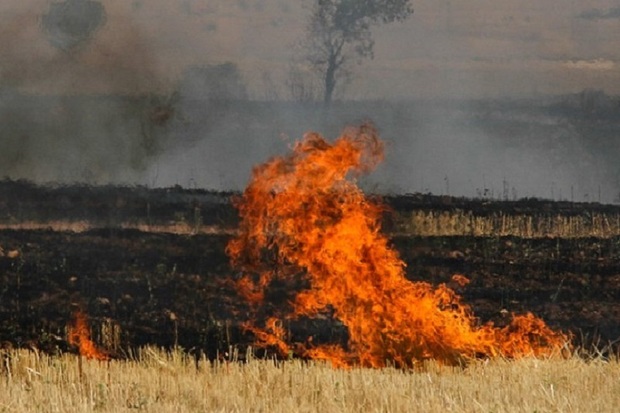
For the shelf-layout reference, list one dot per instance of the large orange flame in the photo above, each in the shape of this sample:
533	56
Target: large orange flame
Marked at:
79	336
305	222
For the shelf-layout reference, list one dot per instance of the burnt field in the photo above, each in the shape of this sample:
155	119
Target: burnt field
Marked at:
149	266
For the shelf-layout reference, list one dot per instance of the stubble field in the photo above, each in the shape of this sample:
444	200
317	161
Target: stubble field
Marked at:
157	381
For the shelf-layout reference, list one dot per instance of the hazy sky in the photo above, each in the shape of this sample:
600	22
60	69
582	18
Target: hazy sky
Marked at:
451	48
447	49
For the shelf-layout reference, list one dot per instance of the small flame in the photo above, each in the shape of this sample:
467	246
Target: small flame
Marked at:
305	225
79	336
460	280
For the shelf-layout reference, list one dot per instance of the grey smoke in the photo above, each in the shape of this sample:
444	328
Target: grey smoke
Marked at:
600	14
493	150
76	107
90	98
71	23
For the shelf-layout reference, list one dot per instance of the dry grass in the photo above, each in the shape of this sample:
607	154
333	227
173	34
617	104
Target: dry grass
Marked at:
179	228
459	222
171	382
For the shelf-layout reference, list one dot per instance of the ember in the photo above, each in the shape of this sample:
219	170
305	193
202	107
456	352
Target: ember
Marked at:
305	222
79	336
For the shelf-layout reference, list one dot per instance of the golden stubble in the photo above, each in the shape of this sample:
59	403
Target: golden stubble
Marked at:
156	381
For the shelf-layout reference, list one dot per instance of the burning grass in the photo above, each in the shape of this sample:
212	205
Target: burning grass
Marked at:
156	381
79	336
307	225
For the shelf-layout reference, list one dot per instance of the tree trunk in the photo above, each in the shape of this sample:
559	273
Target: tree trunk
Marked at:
330	80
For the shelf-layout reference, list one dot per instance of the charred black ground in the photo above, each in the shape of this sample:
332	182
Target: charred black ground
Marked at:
148	267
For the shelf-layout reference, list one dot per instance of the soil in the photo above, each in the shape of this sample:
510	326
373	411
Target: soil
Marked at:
146	271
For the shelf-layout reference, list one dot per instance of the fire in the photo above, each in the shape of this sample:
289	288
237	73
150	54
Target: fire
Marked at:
79	336
308	230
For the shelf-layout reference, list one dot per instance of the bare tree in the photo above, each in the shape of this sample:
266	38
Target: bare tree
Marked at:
339	31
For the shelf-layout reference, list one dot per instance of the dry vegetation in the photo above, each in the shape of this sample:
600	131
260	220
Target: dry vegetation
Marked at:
499	224
154	381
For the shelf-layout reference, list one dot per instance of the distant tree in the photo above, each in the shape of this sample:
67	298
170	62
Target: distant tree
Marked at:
339	31
71	23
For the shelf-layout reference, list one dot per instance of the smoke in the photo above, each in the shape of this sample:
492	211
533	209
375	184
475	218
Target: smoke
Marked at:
196	93
72	23
493	150
600	14
500	150
77	94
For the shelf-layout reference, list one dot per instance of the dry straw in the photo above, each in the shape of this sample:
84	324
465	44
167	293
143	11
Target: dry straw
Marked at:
498	224
156	381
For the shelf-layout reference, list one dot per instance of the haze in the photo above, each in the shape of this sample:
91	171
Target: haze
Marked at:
449	51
